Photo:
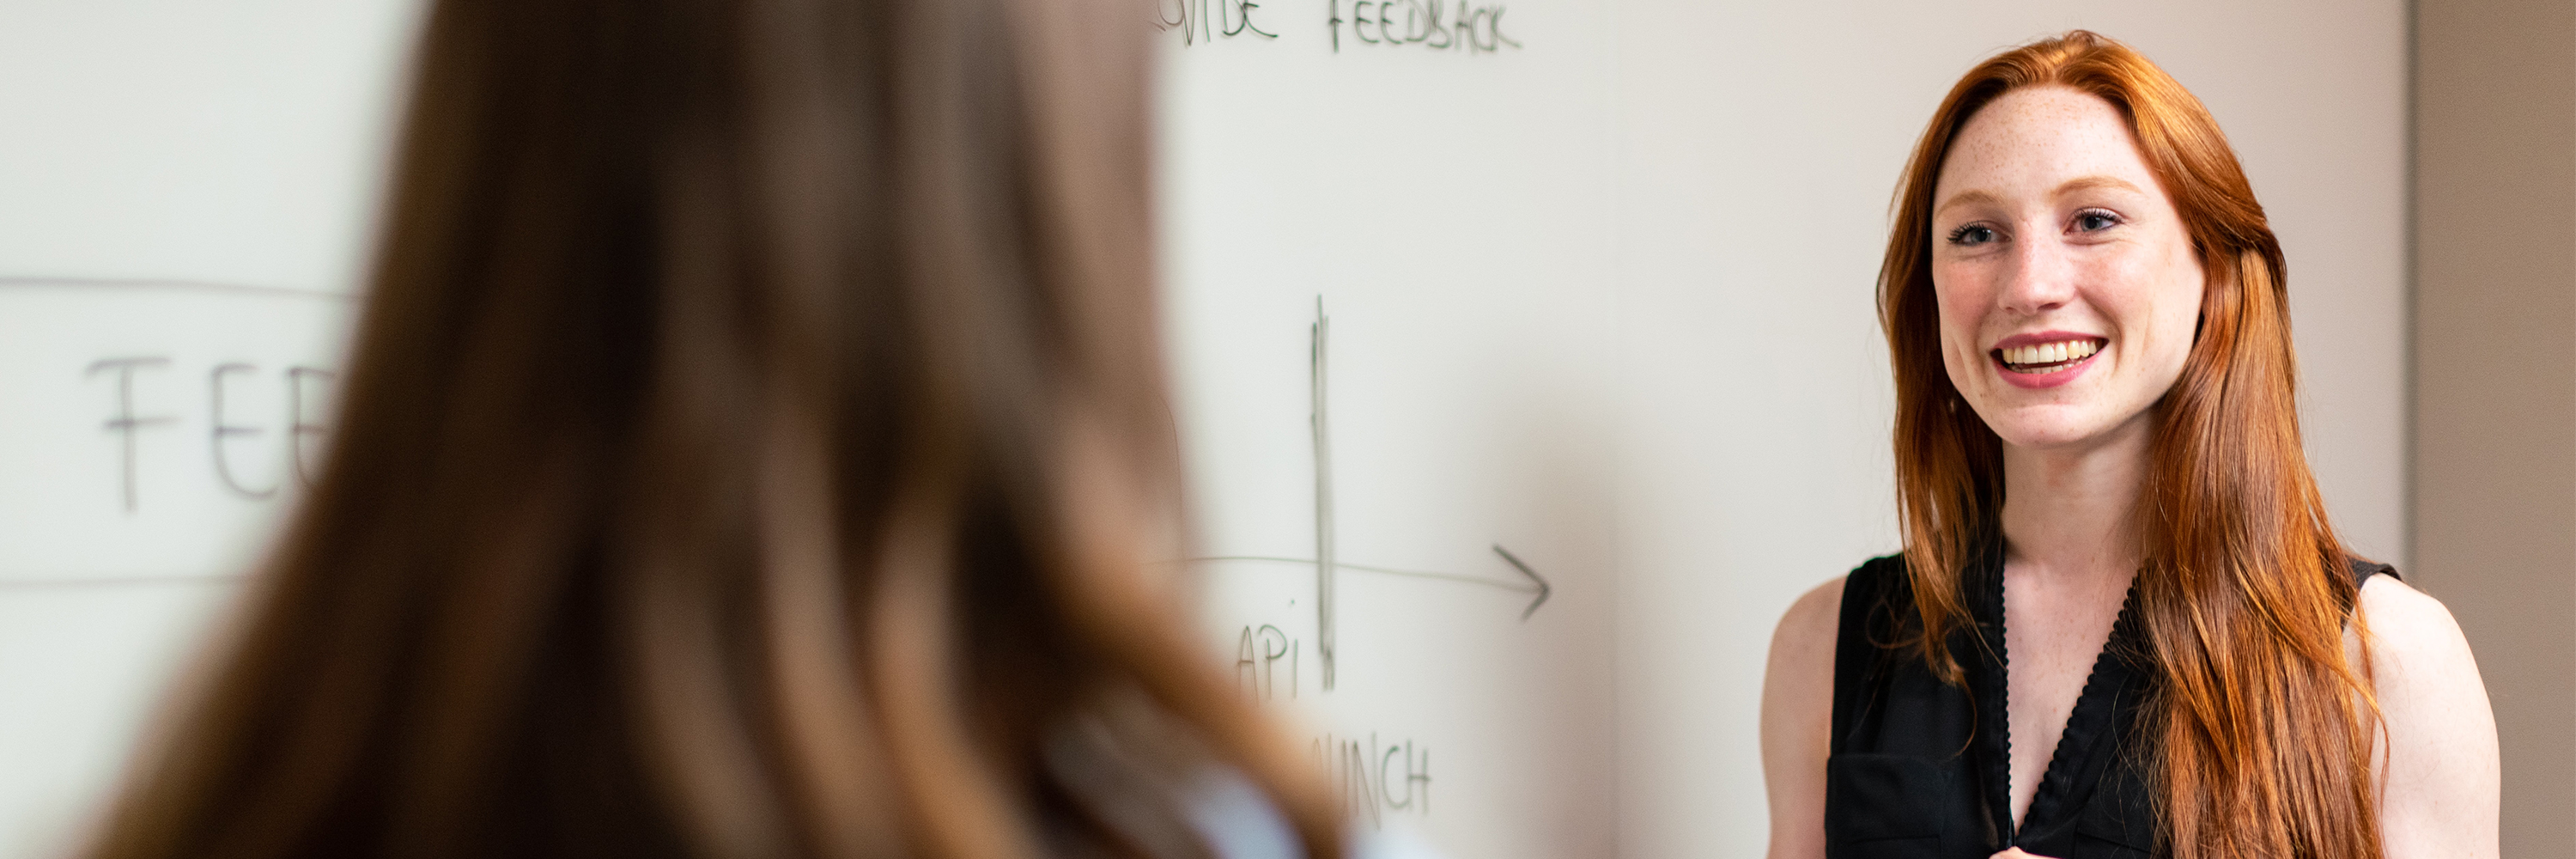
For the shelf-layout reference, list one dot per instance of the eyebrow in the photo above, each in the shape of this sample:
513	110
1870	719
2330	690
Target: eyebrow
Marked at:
2087	183
1963	198
2080	183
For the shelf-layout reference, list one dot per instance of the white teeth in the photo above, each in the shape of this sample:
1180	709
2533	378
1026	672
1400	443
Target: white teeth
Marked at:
2059	352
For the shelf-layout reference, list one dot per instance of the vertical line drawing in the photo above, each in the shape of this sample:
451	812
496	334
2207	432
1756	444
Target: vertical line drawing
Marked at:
1327	561
1322	333
126	422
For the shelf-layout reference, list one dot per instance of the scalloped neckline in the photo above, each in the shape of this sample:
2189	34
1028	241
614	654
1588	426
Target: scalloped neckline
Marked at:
2092	713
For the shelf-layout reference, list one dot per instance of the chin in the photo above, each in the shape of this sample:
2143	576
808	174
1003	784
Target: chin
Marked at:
2048	440
2044	427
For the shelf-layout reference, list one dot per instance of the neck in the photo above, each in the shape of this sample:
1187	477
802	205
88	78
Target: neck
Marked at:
2069	510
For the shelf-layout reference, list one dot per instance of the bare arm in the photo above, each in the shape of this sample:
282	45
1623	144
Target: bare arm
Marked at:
1797	718
2438	778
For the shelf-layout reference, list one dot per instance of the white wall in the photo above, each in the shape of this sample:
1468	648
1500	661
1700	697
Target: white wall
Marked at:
180	180
1453	210
1761	144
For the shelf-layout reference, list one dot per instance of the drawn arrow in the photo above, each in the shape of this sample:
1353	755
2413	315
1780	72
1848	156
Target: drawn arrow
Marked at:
1536	586
1543	589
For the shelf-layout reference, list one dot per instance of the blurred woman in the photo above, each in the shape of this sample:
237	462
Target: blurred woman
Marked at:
753	447
2122	625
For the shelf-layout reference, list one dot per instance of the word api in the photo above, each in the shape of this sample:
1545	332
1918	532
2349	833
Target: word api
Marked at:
1257	656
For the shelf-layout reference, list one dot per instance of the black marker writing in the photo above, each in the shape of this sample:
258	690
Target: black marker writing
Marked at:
226	430
1371	778
1324	546
227	425
1326	561
1232	18
1536	586
1429	23
1256	662
125	423
303	430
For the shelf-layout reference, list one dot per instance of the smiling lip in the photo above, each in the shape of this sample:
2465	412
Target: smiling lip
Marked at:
2061	357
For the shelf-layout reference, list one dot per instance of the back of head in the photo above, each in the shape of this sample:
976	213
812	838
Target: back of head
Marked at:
754	446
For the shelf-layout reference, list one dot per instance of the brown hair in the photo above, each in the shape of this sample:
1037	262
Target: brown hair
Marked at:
2260	728
754	447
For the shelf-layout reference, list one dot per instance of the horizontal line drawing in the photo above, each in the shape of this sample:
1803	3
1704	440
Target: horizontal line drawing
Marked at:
168	285
1536	586
77	583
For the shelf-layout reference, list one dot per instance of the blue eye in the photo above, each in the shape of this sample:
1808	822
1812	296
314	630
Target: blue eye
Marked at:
1972	234
2095	220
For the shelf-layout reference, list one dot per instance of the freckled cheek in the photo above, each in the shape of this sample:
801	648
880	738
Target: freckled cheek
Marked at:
1962	307
2177	322
2152	308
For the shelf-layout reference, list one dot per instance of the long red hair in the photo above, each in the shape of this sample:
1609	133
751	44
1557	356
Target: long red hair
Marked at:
2260	729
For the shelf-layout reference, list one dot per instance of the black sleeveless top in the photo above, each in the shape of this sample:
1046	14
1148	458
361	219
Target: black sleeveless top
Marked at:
1916	774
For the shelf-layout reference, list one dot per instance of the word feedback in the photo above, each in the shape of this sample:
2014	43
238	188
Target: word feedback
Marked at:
299	430
1428	23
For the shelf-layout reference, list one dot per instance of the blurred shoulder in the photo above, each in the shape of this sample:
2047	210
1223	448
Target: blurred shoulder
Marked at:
1393	844
1239	821
1815	615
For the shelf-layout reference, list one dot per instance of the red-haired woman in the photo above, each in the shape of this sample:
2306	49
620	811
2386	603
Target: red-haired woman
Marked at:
2121	625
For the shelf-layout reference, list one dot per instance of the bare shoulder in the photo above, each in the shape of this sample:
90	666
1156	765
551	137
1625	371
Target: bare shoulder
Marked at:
2412	631
2438	762
1811	621
1798	679
2421	670
1797	717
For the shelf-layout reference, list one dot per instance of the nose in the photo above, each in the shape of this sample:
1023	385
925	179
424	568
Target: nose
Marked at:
2040	277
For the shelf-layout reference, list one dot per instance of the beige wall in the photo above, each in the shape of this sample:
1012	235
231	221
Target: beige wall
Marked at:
2495	376
1759	144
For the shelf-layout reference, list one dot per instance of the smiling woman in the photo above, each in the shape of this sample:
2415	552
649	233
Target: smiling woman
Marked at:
2047	213
2115	552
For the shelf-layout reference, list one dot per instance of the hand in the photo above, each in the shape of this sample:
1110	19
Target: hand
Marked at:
2016	853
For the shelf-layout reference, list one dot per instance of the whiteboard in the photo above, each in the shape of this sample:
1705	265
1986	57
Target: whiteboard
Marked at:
184	194
1589	285
1391	291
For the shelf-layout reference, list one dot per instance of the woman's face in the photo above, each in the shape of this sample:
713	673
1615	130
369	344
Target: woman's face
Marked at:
2069	291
